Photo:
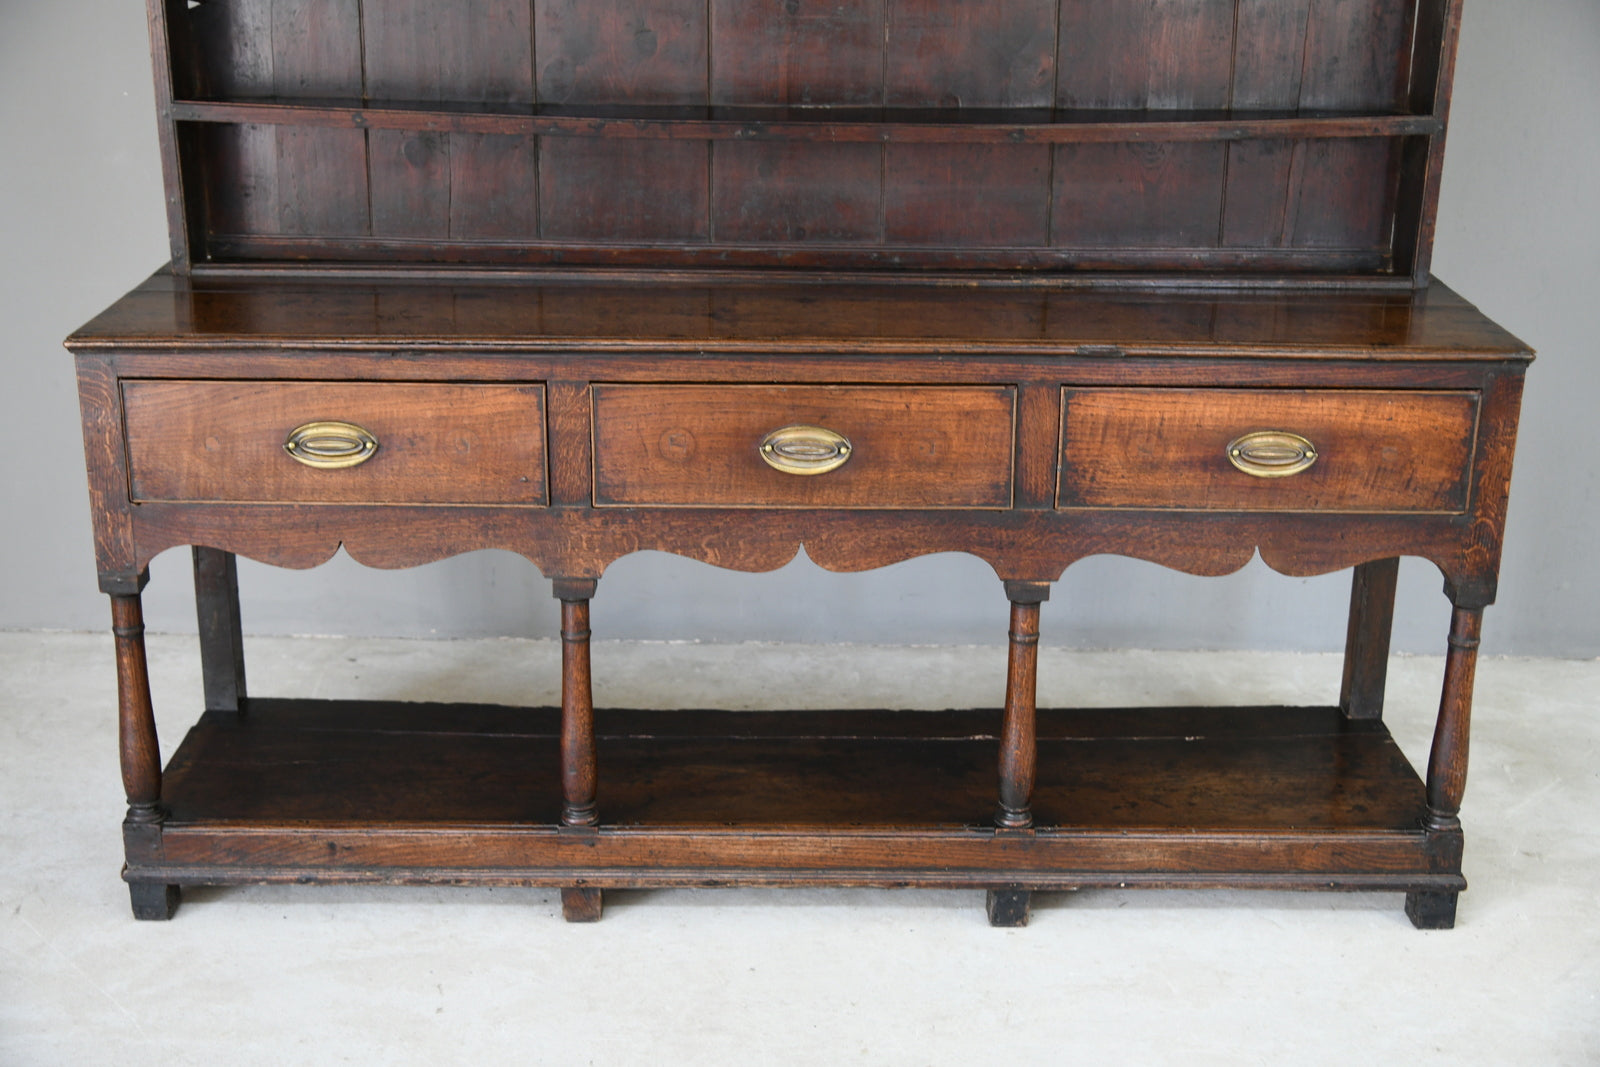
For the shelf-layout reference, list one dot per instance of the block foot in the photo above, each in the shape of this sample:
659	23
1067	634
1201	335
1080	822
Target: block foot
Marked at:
1431	911
153	900
581	905
1009	907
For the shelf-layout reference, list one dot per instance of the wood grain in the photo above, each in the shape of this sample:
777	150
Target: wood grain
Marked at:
622	51
797	52
698	445
1239	138
438	444
944	54
1376	451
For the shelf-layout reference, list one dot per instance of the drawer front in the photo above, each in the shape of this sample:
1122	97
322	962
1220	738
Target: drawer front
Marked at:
1267	449
889	446
435	443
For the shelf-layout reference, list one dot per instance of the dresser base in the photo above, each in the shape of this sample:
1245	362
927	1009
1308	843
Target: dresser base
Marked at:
368	792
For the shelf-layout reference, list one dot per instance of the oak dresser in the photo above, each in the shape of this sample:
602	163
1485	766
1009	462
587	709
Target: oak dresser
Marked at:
1032	280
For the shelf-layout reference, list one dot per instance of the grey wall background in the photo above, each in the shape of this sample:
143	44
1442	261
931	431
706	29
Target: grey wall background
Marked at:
1519	233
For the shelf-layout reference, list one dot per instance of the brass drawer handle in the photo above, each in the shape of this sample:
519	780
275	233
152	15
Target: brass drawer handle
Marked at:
805	450
330	445
1271	453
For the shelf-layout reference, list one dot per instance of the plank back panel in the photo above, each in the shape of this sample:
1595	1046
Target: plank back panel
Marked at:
797	52
641	191
771	191
948	54
622	52
436	190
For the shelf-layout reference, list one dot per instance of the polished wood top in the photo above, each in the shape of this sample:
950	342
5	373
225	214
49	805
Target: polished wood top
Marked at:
697	313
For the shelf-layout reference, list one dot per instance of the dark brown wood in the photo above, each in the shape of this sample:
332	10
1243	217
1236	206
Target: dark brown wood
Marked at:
1008	907
1430	910
1033	267
398	131
581	905
797	52
437	444
620	191
1018	737
974	126
136	724
932	195
1447	763
165	24
1366	648
401	765
340	791
100	402
1166	195
216	594
1357	55
1438	29
700	446
154	900
1242	339
579	771
1375	451
622	51
995	55
765	191
1108	61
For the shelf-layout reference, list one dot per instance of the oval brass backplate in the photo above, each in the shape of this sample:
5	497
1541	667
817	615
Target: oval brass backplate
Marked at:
330	445
805	450
1271	453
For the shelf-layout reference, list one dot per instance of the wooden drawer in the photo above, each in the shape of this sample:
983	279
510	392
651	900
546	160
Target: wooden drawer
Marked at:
702	445
436	443
1369	451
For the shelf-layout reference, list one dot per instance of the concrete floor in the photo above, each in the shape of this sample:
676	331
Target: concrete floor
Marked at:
313	975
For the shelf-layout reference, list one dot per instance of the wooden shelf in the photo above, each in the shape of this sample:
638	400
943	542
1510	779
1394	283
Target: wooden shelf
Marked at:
837	125
368	791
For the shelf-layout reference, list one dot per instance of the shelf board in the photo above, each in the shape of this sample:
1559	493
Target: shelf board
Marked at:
365	791
832	125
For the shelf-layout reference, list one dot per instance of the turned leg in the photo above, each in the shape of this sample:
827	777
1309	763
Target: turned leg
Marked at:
579	765
1018	741
1366	647
1018	750
1447	762
140	756
216	597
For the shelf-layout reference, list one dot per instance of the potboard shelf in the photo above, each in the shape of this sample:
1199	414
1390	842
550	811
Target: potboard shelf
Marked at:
374	791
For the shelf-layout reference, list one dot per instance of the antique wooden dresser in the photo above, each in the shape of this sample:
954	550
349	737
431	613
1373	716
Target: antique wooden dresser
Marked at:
1028	279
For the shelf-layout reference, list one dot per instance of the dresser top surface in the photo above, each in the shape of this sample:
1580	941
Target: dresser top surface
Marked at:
678	314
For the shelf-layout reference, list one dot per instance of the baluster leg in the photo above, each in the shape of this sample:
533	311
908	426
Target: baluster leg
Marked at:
1447	762
140	758
1366	647
1018	741
579	764
216	598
